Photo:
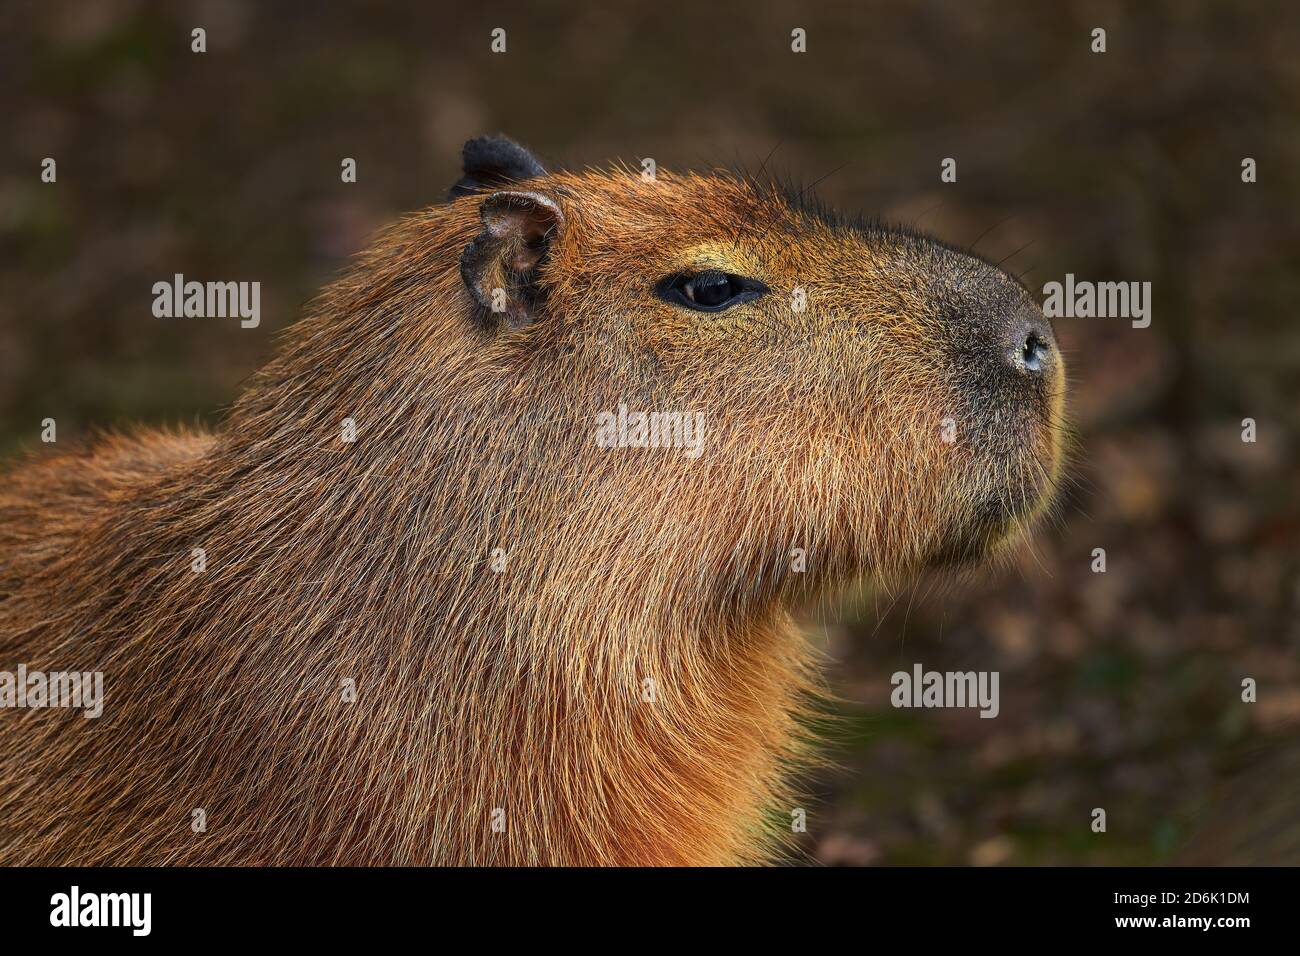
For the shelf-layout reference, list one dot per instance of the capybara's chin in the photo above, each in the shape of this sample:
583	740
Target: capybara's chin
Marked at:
992	528
999	518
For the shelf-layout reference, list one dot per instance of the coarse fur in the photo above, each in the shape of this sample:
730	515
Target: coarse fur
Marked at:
562	653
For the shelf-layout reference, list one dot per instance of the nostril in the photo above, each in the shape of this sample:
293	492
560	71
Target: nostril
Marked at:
1031	349
1033	353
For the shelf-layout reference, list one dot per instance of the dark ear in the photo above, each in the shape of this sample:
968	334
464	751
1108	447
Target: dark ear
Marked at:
499	266
491	162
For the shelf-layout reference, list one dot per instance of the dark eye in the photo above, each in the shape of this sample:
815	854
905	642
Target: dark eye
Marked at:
710	291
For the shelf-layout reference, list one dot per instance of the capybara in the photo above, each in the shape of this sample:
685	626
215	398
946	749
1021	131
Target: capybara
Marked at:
495	562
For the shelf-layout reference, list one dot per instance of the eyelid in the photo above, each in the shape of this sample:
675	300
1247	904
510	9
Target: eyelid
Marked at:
668	289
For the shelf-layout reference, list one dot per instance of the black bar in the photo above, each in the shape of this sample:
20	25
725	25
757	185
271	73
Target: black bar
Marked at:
925	905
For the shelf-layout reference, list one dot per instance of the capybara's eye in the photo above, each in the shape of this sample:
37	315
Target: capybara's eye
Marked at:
709	291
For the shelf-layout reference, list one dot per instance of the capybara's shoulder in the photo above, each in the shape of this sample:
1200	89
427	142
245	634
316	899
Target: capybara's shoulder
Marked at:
48	500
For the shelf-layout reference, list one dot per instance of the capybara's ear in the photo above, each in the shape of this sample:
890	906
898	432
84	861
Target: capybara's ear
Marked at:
491	162
500	266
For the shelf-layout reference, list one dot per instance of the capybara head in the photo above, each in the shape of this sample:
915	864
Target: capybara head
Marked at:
726	371
698	388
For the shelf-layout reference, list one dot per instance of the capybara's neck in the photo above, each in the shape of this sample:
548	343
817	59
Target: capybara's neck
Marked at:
375	627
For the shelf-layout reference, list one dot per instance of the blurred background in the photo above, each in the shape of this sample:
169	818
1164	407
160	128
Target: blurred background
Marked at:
1119	690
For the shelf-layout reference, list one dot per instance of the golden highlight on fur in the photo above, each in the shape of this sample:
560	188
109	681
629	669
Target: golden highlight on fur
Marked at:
562	653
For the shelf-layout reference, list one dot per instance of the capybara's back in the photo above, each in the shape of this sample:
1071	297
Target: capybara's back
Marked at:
49	504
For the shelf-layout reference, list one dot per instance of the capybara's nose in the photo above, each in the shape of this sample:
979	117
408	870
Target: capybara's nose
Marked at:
1030	348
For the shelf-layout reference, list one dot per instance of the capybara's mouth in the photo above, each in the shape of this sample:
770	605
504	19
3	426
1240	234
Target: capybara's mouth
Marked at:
975	535
994	523
1018	484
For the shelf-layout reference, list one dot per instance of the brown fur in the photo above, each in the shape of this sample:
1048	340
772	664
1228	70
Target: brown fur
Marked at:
520	690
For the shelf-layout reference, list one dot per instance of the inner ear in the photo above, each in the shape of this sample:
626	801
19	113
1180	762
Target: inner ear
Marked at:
524	222
499	266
